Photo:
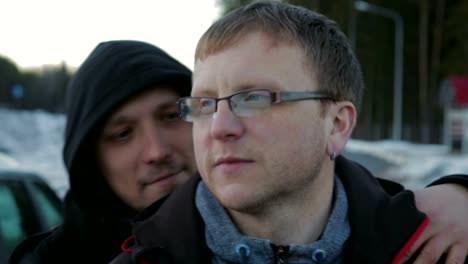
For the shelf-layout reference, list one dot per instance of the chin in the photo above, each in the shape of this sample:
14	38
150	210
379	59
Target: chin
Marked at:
236	198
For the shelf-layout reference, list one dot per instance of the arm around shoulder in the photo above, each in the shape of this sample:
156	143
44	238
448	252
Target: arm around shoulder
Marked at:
460	179
445	202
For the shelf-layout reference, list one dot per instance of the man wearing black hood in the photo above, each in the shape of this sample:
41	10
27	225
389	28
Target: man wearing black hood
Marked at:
125	147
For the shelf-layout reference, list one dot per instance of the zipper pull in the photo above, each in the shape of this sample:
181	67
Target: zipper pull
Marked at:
281	253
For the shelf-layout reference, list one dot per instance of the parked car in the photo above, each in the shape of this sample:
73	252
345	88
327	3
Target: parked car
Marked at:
28	205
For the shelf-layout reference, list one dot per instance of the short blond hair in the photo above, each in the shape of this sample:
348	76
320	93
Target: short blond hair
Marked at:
326	47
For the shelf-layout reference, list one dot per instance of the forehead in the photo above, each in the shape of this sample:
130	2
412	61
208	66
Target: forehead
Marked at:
152	99
254	60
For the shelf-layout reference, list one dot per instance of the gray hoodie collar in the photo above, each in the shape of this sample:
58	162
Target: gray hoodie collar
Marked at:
230	246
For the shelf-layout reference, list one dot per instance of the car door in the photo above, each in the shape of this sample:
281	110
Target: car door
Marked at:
27	206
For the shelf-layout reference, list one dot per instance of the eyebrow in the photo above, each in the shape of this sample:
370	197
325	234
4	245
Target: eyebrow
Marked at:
122	118
239	88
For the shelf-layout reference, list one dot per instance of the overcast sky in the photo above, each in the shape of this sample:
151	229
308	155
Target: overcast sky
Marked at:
40	32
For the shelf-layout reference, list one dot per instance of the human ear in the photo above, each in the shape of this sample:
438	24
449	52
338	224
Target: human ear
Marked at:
343	117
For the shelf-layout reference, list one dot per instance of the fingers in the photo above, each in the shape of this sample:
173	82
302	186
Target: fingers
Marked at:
408	254
447	232
457	254
433	250
429	231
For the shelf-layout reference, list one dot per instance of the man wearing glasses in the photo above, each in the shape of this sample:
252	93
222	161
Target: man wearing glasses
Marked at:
274	101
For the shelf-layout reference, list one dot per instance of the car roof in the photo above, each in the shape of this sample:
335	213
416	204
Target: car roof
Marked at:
7	161
10	169
8	174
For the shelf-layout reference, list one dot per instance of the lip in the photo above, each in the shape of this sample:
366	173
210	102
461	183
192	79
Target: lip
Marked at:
164	180
230	161
230	165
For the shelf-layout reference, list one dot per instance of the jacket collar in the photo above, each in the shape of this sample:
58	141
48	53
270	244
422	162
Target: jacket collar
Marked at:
177	227
380	224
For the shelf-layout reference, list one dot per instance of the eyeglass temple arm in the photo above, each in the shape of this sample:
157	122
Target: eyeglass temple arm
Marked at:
296	96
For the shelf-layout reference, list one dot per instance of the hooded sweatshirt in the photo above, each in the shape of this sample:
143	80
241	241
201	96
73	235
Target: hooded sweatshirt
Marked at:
96	220
113	72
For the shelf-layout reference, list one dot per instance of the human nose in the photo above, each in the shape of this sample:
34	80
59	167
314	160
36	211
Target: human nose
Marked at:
155	146
225	125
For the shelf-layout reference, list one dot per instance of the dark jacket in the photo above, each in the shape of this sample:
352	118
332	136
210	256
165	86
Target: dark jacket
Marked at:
383	218
96	220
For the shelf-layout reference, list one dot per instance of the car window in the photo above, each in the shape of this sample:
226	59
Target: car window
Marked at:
11	228
47	205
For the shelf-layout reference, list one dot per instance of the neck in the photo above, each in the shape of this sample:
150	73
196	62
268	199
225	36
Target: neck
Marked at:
298	218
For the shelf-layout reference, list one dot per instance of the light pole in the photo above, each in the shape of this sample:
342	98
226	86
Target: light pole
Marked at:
398	59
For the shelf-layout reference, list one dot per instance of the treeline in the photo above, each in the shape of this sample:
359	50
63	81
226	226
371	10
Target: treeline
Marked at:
35	88
435	47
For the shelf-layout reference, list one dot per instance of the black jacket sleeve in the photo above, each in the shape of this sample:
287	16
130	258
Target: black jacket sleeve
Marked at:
25	253
461	179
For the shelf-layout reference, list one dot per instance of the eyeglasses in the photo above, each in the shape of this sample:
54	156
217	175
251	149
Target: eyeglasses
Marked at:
243	104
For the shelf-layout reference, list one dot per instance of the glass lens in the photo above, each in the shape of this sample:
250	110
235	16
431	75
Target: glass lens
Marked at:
250	102
206	105
184	109
191	108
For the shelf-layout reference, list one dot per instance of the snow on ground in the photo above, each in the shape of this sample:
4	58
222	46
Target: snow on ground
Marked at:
35	140
413	165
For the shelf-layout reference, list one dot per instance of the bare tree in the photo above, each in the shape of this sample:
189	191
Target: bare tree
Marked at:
423	69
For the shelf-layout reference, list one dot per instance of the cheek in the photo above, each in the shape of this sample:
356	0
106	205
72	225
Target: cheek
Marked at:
300	135
114	171
199	138
200	143
182	139
116	161
115	167
184	144
104	157
276	132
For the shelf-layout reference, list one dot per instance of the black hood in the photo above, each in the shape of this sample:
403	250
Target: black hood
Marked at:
113	72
